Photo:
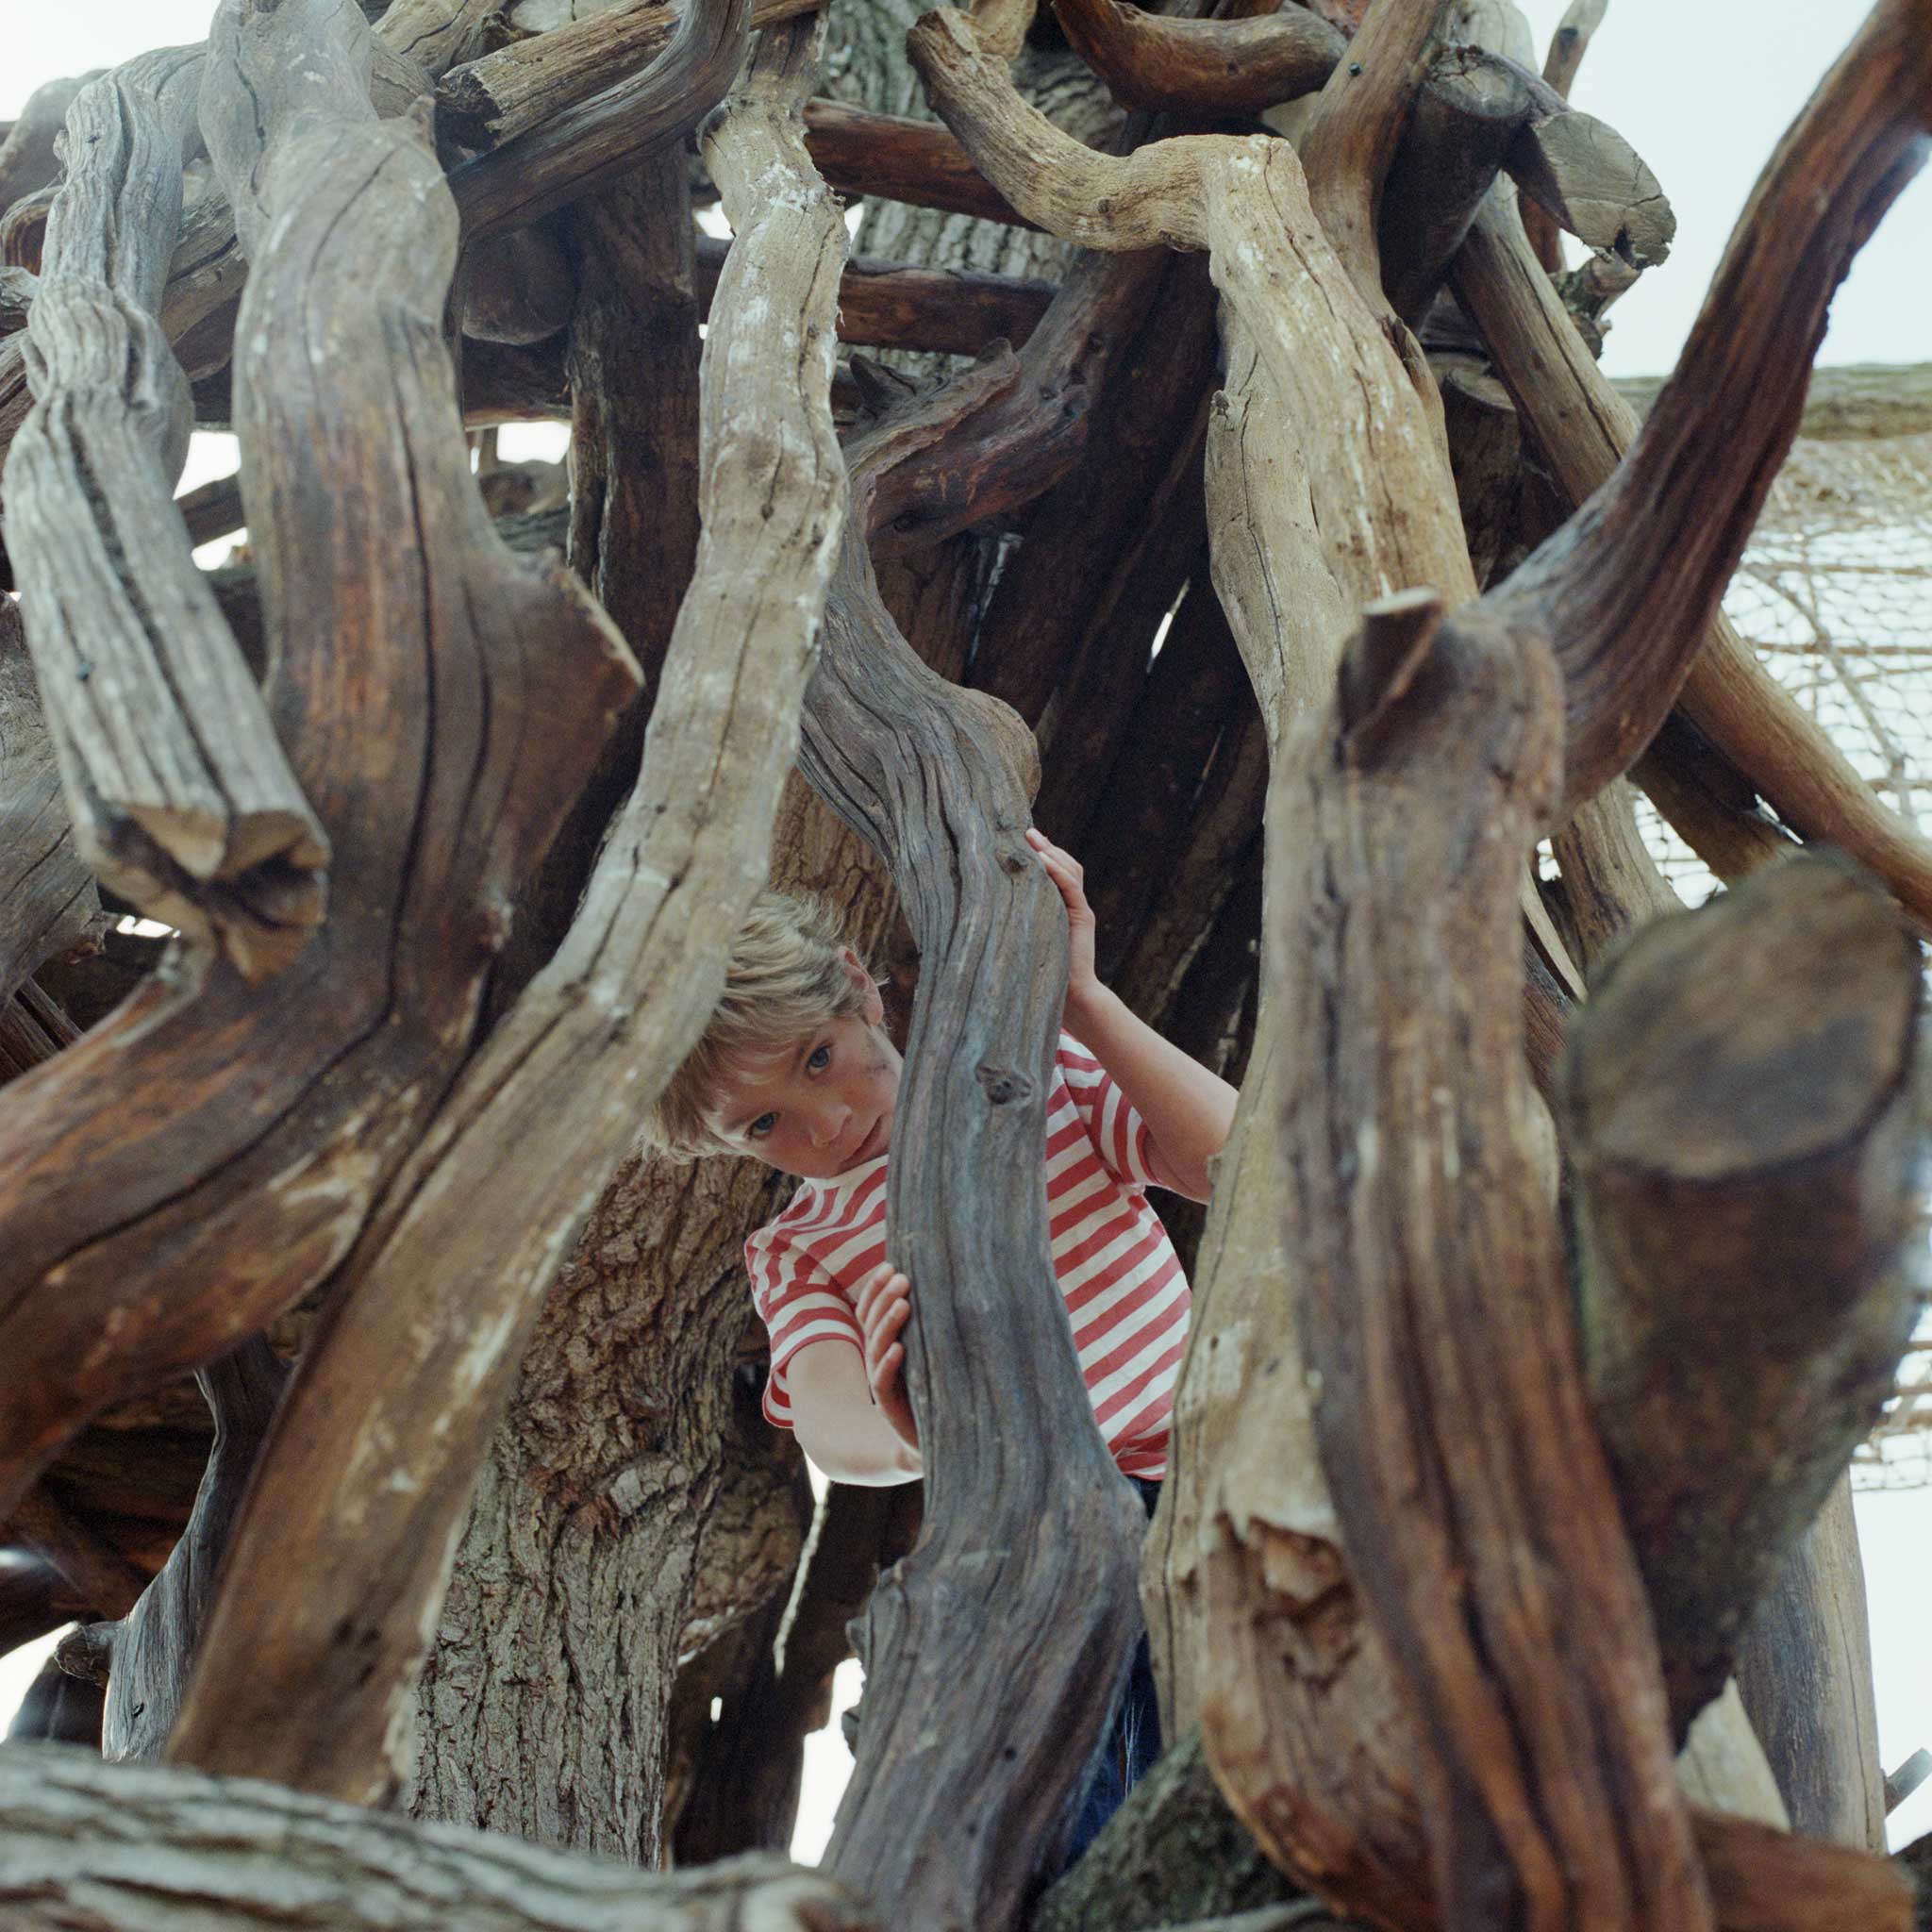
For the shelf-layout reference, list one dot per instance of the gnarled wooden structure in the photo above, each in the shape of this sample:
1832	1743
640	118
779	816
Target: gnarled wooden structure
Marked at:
1222	556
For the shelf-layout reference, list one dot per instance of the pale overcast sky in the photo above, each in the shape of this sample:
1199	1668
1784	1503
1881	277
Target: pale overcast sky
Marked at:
1701	89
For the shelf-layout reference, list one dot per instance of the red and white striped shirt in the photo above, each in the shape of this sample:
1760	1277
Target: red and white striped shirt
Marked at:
1125	1293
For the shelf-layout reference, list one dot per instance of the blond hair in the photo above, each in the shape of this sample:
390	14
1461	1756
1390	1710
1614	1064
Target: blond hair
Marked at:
787	976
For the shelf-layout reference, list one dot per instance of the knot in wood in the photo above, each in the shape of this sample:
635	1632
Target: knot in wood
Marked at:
1005	1084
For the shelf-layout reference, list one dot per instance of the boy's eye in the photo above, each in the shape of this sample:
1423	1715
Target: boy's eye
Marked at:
761	1127
821	1059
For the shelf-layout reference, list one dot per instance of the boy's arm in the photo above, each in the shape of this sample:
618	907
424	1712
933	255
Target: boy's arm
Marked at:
1188	1110
849	1410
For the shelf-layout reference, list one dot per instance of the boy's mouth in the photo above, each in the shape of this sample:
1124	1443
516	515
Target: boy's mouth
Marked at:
872	1146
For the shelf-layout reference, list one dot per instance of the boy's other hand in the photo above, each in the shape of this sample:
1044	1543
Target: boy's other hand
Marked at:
1069	877
884	1305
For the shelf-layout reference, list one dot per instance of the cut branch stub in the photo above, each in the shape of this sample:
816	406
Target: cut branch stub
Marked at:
180	796
991	1650
313	1674
210	1152
1475	1506
1742	1111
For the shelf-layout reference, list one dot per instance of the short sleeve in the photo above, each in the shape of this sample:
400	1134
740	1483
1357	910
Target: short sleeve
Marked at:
799	1303
1112	1121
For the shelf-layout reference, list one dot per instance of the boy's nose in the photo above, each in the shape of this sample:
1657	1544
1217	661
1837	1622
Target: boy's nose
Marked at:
828	1126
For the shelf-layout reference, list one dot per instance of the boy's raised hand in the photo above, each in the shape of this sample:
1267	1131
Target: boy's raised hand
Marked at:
1066	872
884	1305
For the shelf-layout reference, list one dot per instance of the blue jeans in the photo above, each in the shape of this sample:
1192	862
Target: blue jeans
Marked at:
1133	1739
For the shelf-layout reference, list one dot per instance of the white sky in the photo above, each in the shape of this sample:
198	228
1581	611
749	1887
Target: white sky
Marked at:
1701	89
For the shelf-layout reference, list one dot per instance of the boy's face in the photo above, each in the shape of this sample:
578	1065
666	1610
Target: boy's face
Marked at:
820	1104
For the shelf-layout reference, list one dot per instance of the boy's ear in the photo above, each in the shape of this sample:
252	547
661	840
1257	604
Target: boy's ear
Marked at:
874	1007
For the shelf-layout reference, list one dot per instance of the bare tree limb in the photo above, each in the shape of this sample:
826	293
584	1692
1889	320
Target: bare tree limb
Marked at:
180	796
138	1848
861	152
27	159
1630	586
415	1364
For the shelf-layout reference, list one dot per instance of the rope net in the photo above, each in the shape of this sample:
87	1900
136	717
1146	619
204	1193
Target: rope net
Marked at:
1834	593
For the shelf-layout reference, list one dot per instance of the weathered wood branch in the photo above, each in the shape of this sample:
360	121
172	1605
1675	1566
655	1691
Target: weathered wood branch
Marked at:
136	1848
47	898
1448	1405
1743	1116
180	796
1029	1539
210	1152
1631	584
98	1575
518	287
583	146
410	1374
432	34
1202	66
515	88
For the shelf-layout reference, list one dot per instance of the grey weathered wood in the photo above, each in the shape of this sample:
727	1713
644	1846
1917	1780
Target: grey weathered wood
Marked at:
1743	1116
149	1654
965	1775
47	897
180	795
1805	1673
136	1848
333	1585
27	157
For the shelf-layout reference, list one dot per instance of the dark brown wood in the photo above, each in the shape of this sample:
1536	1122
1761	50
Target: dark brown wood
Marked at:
207	1155
47	898
518	287
1052	601
861	152
1222	67
86	1841
212	509
1741	1106
181	797
93	1571
591	143
955	1835
1447	1396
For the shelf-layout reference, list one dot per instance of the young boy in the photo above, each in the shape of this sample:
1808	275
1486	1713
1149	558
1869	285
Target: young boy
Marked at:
796	1070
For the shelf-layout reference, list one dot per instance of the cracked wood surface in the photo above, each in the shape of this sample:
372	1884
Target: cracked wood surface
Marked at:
139	1848
270	1117
180	796
398	1396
